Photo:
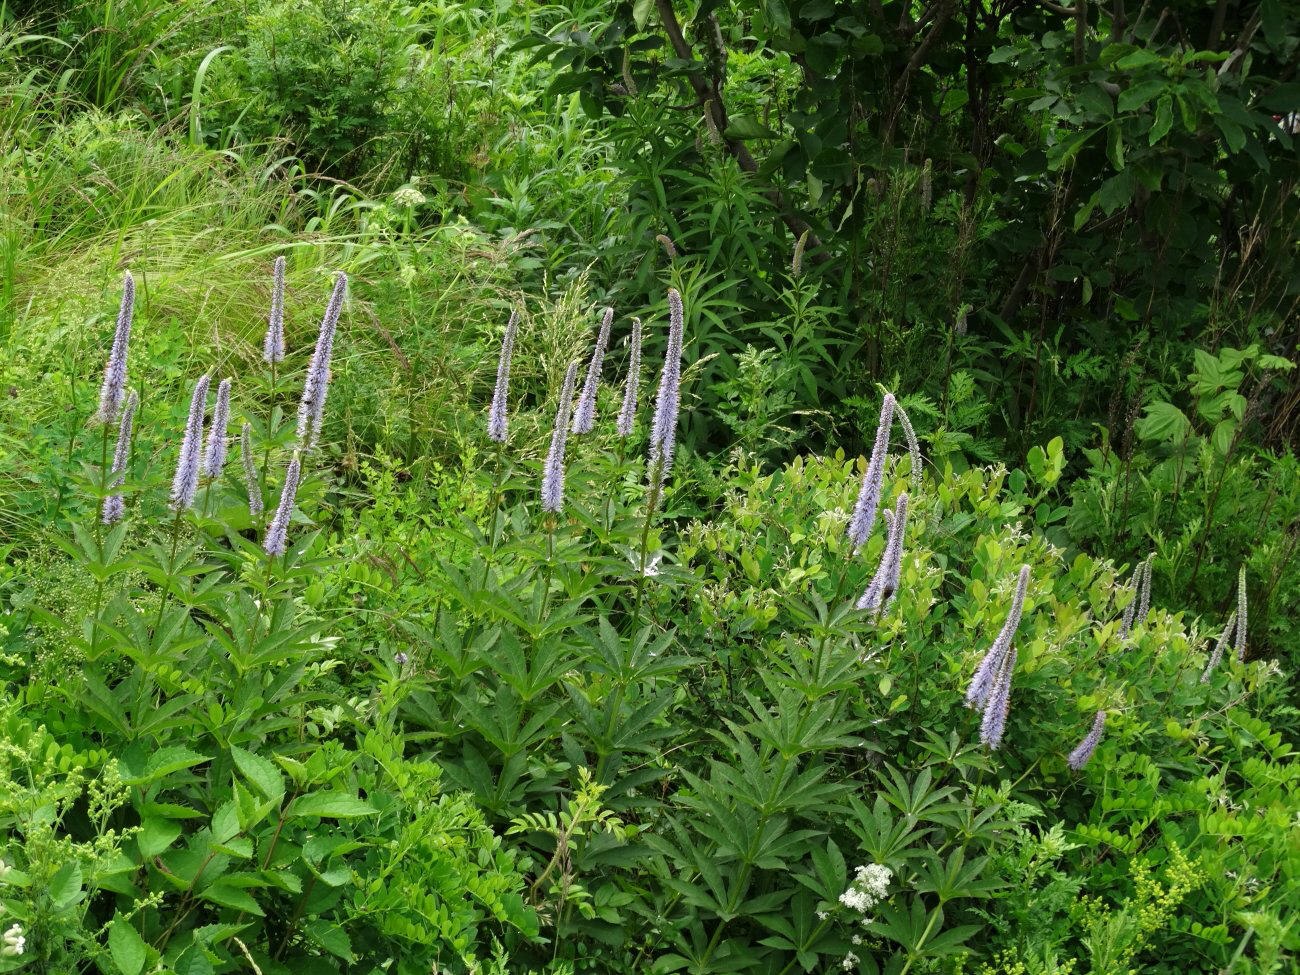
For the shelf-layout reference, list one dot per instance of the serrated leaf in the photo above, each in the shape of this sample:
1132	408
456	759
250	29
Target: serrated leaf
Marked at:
336	805
233	897
156	834
261	774
126	947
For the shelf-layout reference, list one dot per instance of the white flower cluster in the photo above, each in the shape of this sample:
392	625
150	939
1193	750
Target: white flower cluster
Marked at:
12	942
850	962
868	889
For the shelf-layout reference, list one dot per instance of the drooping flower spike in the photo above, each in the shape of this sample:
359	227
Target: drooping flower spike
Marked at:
311	409
273	343
1078	758
114	507
1144	589
111	393
214	456
497	420
1217	655
277	532
584	415
186	480
553	471
913	449
864	510
663	427
627	415
250	471
1135	588
982	683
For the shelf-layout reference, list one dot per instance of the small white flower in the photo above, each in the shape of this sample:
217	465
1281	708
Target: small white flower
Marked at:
822	915
850	961
856	939
13	942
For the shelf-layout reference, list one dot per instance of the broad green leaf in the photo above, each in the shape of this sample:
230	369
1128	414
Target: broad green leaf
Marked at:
1139	94
641	12
65	885
261	774
1163	121
747	127
1163	422
233	897
338	805
156	834
126	947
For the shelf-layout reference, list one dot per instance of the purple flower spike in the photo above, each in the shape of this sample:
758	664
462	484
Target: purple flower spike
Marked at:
663	428
1083	751
186	480
584	417
214	458
497	425
627	415
110	394
553	473
273	344
994	722
311	409
114	508
864	510
277	532
1239	638
250	471
1217	655
913	449
982	683
884	584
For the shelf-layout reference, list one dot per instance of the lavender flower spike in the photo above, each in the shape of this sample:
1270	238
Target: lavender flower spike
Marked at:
874	593
553	473
864	510
250	471
110	394
214	456
1144	589
913	449
584	416
114	507
1135	587
501	393
1218	648
1083	751
663	428
982	684
1239	638
884	585
277	532
311	409
627	415
273	344
186	480
994	722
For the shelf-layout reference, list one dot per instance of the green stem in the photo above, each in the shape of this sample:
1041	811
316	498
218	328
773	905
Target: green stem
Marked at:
171	568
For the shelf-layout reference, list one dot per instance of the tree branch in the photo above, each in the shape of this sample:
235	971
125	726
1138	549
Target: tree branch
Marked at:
717	117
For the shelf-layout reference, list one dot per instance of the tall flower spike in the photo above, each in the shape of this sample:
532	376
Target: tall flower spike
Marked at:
114	507
627	415
884	584
311	409
1134	587
872	595
1083	751
497	425
982	683
913	449
553	472
994	722
277	532
864	510
110	394
273	344
214	456
1239	638
663	428
186	480
250	471
1217	655
584	416
1144	589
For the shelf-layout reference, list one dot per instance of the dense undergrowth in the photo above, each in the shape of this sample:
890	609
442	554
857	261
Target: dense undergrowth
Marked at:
466	722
